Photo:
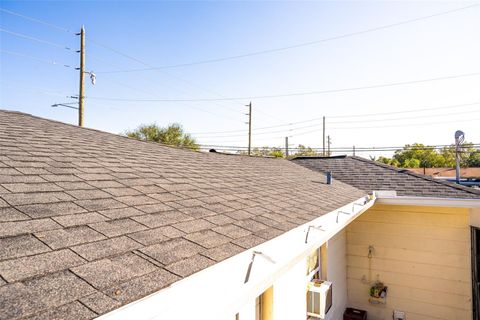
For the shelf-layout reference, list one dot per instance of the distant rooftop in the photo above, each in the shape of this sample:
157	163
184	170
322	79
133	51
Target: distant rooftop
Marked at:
371	175
447	172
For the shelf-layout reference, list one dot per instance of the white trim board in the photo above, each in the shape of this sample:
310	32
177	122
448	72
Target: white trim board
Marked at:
428	201
218	292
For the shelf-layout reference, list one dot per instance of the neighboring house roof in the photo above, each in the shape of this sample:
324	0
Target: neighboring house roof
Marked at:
90	221
371	175
447	172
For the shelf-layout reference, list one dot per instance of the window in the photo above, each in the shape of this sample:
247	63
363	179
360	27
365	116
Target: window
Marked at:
313	262
317	263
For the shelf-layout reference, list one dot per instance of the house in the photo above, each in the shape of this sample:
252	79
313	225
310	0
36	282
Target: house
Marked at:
94	224
422	239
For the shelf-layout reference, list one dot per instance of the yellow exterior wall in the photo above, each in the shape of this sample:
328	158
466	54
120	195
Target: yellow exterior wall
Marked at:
266	303
421	253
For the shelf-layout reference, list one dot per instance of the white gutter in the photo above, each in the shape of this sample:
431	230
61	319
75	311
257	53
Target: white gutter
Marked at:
219	291
391	198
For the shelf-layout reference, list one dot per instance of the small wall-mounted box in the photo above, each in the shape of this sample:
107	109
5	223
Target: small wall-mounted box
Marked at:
398	315
354	314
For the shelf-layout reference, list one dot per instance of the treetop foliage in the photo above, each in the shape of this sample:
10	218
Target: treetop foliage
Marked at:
173	135
419	155
301	150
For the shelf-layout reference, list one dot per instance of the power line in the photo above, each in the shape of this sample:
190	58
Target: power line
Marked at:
299	45
193	85
104	46
344	122
413	147
24	36
17	54
48	24
37	90
241	149
390	126
154	94
357	128
294	94
415	110
58	45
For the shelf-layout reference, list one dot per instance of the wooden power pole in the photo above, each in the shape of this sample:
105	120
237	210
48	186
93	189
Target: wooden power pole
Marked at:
328	144
249	128
323	153
81	94
286	147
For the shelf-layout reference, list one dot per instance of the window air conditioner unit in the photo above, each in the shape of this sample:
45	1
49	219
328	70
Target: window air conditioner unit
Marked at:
319	298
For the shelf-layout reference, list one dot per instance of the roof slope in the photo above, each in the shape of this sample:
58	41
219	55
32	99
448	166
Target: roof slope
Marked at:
371	175
90	221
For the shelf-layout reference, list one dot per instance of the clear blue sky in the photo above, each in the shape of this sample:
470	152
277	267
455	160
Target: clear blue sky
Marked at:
169	33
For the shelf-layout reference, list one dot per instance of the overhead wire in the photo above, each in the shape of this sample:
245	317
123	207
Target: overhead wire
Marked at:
389	126
299	45
284	48
154	94
349	148
37	90
191	84
291	130
294	94
17	54
68	31
48	24
28	37
297	134
415	110
58	45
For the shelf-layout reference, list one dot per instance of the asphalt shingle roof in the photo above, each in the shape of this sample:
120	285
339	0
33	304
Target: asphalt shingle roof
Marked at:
370	176
90	221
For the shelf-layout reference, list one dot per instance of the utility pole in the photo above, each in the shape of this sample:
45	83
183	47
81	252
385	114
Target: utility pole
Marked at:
81	94
328	152
323	153
81	87
249	128
354	151
286	147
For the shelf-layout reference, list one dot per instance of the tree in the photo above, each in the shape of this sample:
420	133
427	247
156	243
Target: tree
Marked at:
425	156
474	159
265	152
303	151
171	135
418	155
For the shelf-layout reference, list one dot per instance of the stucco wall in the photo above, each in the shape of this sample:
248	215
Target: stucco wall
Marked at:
289	291
337	274
289	294
421	253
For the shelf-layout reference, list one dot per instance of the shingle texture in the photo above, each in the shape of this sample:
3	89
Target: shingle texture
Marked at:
90	221
371	176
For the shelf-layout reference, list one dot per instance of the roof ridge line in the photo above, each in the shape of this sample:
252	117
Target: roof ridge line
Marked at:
421	176
126	137
95	130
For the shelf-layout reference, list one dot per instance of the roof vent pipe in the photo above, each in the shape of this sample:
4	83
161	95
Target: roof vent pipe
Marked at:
329	177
